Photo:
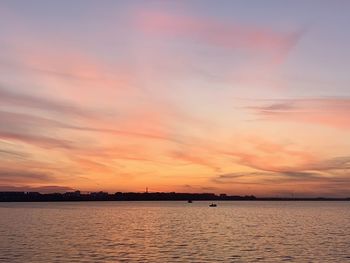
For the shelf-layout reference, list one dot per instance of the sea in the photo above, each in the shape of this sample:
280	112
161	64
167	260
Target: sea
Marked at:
234	231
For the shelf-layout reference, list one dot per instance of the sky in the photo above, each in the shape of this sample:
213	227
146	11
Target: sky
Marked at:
236	97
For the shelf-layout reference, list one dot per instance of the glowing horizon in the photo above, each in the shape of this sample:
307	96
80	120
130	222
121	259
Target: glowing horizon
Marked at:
187	96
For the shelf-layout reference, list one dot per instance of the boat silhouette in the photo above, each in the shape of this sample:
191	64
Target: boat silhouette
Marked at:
212	205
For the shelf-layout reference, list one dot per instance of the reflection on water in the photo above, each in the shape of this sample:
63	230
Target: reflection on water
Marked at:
175	232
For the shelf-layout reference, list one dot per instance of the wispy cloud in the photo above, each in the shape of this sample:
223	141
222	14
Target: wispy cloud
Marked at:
10	98
279	160
42	141
301	184
332	112
216	33
193	158
149	100
22	122
19	176
12	153
40	189
328	177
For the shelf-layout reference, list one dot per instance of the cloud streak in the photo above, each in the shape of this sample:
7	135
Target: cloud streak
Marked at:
21	121
148	101
331	112
40	189
18	176
28	101
216	33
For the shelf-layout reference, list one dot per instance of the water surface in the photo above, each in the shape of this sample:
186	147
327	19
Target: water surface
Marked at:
237	231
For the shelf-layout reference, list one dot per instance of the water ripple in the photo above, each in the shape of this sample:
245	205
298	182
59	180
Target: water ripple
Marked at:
175	232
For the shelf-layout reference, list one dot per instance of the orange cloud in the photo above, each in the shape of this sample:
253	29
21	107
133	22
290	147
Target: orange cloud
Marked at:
285	184
73	113
198	158
332	112
74	75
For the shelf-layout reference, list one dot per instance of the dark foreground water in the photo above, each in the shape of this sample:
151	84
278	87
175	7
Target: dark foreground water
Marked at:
175	232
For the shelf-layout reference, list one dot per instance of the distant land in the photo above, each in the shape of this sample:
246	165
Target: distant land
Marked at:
146	196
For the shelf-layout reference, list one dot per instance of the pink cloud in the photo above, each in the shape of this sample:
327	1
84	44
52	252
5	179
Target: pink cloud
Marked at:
270	156
331	112
216	33
197	158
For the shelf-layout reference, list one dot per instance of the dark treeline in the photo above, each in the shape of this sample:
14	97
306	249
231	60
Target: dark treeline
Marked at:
158	196
119	196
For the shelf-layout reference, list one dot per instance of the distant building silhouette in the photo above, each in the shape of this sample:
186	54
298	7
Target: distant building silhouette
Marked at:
145	196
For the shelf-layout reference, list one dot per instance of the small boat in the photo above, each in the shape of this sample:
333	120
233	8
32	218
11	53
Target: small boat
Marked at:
189	201
212	205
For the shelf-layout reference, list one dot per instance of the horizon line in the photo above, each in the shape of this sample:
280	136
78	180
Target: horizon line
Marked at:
221	195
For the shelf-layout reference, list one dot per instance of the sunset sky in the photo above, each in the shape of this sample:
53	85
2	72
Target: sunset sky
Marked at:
236	97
